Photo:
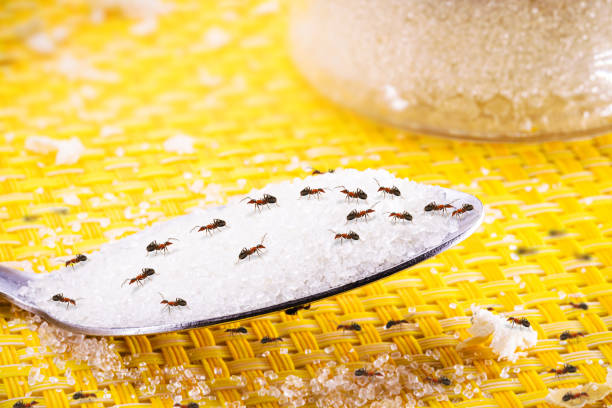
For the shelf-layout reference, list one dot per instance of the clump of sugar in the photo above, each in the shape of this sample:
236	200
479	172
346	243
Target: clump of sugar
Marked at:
581	395
484	68
504	338
181	144
67	151
301	255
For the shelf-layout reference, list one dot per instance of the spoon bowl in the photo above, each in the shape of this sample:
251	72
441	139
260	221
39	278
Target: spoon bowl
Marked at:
12	280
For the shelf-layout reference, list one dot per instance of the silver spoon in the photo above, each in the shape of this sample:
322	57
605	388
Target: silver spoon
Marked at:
11	280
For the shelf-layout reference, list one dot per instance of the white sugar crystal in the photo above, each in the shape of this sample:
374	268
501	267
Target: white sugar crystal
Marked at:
41	42
216	37
181	144
301	256
68	151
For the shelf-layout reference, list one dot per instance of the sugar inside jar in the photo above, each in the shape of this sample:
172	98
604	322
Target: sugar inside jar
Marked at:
494	70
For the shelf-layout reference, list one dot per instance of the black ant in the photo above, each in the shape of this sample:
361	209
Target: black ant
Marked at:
433	206
268	339
363	372
217	223
392	191
190	405
442	380
351	326
247	252
526	251
293	311
569	396
465	208
173	303
21	404
154	246
358	194
315	171
266	200
580	305
567	368
566	335
519	321
401	216
146	272
81	395
76	260
307	191
61	298
584	257
355	214
556	232
237	330
392	323
347	235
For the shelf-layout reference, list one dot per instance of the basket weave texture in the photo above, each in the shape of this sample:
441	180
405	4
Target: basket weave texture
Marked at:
219	72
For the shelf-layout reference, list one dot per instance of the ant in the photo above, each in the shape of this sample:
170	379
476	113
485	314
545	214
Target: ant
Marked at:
347	235
307	191
81	395
392	191
355	214
520	321
268	339
433	206
581	305
173	303
238	330
362	372
215	224
465	208
358	194
567	368
566	335
21	404
401	216
351	326
154	246
247	252
190	405
61	298
569	396
584	257
392	323
315	171
526	251
76	260
146	272
266	200
293	311
556	232
442	380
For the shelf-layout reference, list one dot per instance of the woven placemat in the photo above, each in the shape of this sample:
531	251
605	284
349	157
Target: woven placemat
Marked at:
219	72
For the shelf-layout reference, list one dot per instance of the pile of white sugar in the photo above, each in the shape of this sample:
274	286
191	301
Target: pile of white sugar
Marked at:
301	256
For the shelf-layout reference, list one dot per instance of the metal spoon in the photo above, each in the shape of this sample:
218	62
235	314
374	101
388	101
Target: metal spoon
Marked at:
11	280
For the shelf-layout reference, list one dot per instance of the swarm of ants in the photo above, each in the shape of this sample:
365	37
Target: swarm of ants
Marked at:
265	201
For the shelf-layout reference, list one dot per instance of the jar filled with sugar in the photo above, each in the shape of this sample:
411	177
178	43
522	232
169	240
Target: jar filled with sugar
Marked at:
511	70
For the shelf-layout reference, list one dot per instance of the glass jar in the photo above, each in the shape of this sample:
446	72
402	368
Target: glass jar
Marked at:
476	69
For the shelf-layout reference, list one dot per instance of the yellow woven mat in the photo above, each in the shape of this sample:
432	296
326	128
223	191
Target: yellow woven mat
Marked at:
218	71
